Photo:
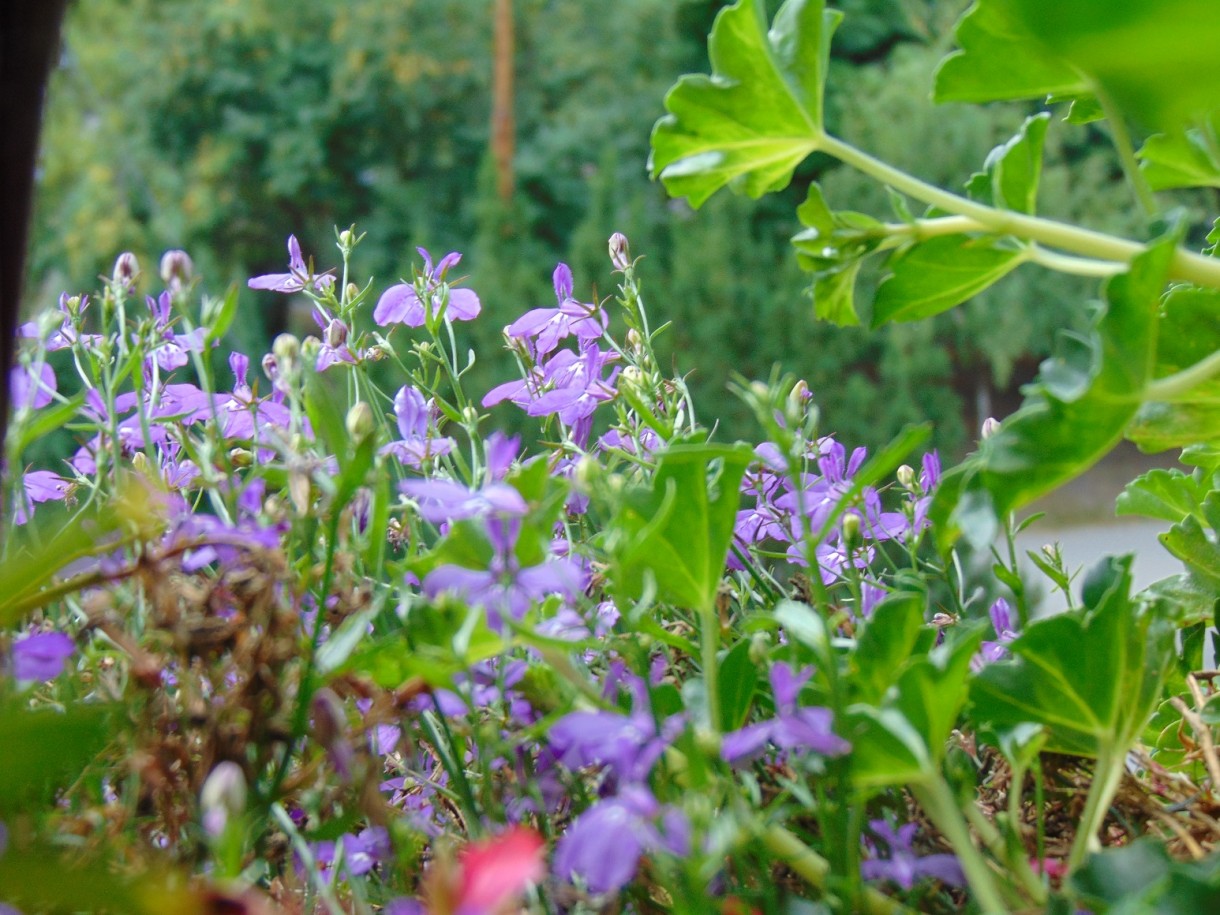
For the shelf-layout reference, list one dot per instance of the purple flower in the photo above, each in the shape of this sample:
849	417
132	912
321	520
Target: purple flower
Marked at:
547	326
604	845
41	656
170	351
67	334
242	414
39	486
1001	622
298	278
401	304
33	387
419	442
793	727
505	587
902	865
361	851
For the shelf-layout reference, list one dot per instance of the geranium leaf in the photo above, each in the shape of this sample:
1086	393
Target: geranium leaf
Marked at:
1071	417
760	112
934	276
1092	678
1012	170
1166	494
997	60
1184	158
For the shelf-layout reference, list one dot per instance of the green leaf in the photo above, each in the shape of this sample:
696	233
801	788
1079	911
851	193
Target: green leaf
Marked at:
1184	158
677	530
904	740
738	683
1012	170
886	644
934	276
1155	60
1091	678
1182	599
46	421
222	318
1141	879
43	748
760	112
1159	426
998	60
1188	541
1166	494
1071	417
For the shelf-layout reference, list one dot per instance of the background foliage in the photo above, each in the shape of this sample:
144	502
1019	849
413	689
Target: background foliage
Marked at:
221	127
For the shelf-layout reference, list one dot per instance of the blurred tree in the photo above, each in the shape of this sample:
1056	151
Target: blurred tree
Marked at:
220	127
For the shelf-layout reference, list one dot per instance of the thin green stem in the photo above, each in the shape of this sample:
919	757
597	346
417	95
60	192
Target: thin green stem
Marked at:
1106	776
1126	154
1185	265
1171	386
937	800
709	644
814	870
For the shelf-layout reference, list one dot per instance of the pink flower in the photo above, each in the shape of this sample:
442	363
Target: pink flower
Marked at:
495	871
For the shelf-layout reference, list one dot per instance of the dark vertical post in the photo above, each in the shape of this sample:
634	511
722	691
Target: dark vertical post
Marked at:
29	40
502	121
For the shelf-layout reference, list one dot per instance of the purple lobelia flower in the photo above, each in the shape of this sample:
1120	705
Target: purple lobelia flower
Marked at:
33	386
604	845
505	587
39	486
241	414
73	309
401	304
170	350
298	277
41	656
419	442
902	865
547	326
793	727
1005	632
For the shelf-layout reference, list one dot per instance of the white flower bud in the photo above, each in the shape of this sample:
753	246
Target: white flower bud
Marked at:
126	269
851	531
223	796
991	426
176	268
620	253
906	477
287	349
360	421
336	333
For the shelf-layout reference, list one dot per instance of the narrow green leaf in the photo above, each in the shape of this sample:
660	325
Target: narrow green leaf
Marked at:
220	323
936	275
46	421
738	683
760	112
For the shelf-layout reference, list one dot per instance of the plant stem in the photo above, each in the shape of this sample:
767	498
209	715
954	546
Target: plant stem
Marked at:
1106	776
709	644
814	869
1185	265
937	800
1126	154
1171	386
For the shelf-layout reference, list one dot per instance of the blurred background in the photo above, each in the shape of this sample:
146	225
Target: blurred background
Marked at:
516	131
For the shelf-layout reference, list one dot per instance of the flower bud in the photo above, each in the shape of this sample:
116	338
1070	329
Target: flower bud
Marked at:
287	349
991	426
906	477
241	457
345	239
586	473
620	253
360	421
310	347
223	796
139	461
631	378
271	368
635	340
351	292
336	333
176	268
126	269
851	531
760	648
